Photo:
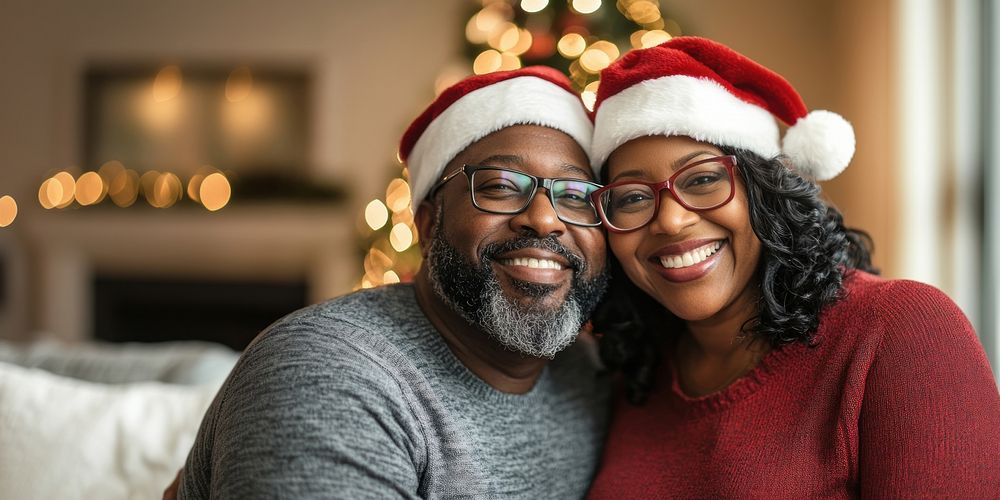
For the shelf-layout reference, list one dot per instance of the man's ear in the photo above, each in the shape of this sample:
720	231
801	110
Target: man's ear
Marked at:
424	218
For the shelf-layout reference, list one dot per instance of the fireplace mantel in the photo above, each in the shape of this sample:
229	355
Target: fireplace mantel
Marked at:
314	244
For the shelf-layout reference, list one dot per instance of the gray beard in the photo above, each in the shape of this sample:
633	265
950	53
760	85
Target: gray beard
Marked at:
474	292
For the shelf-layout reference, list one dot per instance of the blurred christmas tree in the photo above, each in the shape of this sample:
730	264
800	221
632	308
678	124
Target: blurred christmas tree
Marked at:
578	37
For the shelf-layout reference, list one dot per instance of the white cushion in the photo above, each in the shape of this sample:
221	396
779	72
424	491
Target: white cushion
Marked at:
184	362
66	438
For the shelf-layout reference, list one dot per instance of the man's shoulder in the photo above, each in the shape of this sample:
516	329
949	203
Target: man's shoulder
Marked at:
370	333
365	318
327	385
381	308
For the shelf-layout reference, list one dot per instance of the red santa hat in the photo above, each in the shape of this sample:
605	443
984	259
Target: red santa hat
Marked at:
480	105
704	90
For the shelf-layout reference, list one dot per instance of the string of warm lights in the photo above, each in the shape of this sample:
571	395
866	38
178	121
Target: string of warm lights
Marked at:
8	210
112	181
503	44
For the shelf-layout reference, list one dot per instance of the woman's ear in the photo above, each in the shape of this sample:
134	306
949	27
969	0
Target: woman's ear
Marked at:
425	220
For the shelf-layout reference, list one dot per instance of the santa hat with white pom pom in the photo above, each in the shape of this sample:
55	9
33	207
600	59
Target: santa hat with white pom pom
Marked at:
702	89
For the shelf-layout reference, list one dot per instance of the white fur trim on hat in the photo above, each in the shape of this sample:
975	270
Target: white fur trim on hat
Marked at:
682	105
820	144
525	100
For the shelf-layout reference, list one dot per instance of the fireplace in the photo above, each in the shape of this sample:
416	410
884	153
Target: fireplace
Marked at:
226	312
127	275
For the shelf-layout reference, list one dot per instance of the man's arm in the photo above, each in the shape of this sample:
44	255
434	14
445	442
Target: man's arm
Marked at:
306	415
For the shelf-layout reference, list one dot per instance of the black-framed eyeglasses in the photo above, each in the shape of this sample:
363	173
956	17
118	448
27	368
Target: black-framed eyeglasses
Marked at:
499	190
703	185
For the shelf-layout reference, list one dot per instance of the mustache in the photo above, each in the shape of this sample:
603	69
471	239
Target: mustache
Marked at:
549	243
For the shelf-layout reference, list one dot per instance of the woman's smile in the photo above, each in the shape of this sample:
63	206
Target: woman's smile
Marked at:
687	261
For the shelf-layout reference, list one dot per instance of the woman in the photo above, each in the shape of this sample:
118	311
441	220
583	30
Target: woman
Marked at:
760	356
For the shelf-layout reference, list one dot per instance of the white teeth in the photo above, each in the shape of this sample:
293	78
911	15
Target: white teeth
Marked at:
532	263
691	257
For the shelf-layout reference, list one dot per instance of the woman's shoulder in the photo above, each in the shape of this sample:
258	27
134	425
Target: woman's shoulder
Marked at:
892	296
901	310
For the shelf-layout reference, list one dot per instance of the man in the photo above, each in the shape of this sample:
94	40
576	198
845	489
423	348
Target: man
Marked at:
443	388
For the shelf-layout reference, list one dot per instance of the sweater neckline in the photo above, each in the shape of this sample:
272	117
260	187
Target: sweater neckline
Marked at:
439	348
740	389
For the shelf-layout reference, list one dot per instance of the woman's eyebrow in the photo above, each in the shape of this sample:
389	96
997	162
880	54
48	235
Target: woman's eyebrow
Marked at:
678	163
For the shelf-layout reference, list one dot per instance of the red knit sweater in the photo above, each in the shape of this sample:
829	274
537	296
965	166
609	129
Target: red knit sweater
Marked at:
896	401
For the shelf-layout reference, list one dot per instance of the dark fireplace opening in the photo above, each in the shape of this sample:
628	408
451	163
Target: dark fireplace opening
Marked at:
226	312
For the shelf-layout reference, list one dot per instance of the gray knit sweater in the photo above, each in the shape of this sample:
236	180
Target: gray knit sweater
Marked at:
360	397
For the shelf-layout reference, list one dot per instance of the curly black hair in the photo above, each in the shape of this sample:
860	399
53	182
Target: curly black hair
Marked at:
805	252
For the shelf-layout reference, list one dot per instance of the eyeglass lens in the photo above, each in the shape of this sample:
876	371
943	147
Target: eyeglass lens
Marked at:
701	186
506	191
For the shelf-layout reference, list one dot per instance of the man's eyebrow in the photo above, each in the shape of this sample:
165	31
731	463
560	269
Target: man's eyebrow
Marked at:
565	168
510	159
573	169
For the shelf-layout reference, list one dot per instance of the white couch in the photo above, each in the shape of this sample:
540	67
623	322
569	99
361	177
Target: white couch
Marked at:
122	433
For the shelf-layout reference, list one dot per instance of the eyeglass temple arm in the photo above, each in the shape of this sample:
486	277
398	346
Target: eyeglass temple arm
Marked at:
445	179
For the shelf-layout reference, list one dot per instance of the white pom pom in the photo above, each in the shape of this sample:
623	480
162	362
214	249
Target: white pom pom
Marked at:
821	144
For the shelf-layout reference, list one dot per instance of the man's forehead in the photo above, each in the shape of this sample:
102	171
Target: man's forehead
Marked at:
520	163
528	148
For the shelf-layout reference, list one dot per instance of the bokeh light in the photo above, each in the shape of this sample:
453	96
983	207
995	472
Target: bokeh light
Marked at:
589	95
644	11
167	84
484	23
524	40
397	195
8	210
376	215
636	38
608	48
147	182
90	189
509	62
109	170
401	237
68	184
194	186
534	5
49	193
487	62
167	190
571	45
654	38
215	192
376	264
594	60
124	188
506	38
239	84
586	6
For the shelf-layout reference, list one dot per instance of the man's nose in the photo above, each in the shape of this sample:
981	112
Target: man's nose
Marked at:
539	217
